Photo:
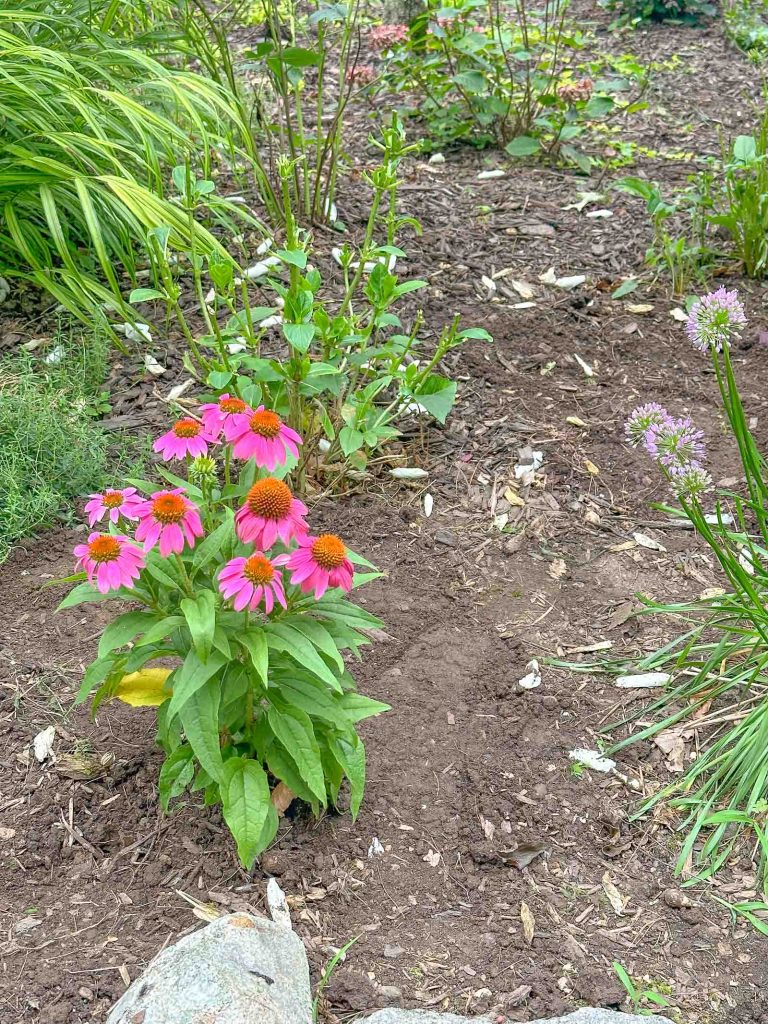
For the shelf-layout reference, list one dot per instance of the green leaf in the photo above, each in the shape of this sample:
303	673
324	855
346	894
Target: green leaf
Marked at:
357	707
317	635
350	440
283	767
471	81
599	106
476	334
309	695
160	630
96	673
437	394
123	629
189	677
255	643
200	720
200	613
523	145
409	286
175	775
145	295
625	288
350	753
299	336
296	257
744	148
291	641
246	803
210	548
84	593
294	730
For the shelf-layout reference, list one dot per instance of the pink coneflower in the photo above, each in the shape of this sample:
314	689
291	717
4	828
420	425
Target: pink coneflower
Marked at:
246	581
361	74
319	563
262	435
219	417
170	518
270	511
113	503
110	561
186	437
384	37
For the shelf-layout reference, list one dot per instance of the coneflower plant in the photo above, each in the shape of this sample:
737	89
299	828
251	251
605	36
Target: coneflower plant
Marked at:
227	581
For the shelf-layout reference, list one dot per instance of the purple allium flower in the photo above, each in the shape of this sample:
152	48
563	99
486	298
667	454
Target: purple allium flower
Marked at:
714	319
675	443
690	481
642	419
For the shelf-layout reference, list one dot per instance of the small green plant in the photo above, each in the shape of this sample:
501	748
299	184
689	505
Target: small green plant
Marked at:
680	248
503	74
639	997
747	27
345	370
338	957
741	207
259	702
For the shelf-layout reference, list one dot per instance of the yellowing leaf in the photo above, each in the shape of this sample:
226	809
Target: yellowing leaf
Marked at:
591	467
513	497
144	689
639	307
575	421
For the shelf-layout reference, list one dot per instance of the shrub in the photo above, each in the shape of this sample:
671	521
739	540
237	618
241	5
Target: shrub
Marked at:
51	448
510	79
260	705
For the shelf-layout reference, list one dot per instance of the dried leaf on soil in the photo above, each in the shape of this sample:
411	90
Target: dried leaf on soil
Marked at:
643	680
648	542
529	922
672	745
532	679
432	857
43	743
617	901
282	798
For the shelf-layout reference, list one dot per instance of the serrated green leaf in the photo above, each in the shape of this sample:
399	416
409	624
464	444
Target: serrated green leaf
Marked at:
290	641
200	615
84	593
200	721
299	336
123	629
245	798
255	643
523	145
189	677
357	707
175	775
293	728
349	751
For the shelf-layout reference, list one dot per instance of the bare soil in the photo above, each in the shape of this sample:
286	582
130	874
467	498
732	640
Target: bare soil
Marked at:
468	765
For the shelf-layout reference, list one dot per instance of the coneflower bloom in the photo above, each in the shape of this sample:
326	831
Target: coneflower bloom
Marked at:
270	512
714	319
262	435
170	519
186	437
248	581
220	417
113	504
110	561
319	563
642	419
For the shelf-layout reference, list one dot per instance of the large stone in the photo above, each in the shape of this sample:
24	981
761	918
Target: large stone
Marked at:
583	1016
241	969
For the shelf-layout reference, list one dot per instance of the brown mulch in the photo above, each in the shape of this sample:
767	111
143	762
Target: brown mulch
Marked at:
468	765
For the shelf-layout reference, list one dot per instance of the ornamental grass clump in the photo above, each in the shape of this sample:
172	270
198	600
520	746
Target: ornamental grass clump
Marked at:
247	612
718	666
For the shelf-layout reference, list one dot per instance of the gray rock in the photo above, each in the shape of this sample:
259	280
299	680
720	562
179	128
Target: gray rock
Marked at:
240	969
584	1016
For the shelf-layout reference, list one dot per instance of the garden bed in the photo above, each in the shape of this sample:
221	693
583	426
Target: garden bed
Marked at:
467	765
